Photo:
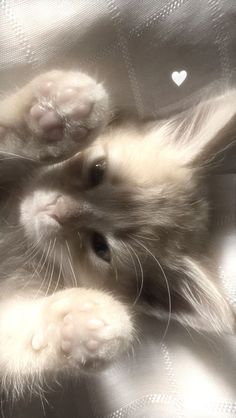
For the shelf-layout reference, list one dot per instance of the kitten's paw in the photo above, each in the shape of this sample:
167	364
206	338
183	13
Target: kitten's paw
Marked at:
66	109
95	332
91	327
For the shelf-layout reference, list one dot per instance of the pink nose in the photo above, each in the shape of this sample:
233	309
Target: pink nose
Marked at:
56	217
63	210
53	210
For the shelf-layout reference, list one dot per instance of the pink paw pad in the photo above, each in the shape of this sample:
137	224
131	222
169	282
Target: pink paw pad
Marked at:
47	121
83	330
58	112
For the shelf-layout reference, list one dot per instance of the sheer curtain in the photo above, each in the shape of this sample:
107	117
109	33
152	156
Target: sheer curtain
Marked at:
155	57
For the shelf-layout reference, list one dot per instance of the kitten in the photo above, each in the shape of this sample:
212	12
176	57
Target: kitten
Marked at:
100	221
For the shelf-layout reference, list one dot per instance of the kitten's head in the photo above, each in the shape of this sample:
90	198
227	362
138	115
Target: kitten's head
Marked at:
129	214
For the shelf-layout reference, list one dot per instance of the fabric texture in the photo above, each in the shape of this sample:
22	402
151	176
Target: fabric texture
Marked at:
156	57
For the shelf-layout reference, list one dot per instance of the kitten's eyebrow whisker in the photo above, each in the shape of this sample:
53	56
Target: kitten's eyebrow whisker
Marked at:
166	281
145	238
70	260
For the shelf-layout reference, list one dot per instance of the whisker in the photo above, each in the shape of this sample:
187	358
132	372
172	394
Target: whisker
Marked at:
135	269
39	262
12	155
70	260
33	255
115	267
146	238
142	276
35	270
31	251
46	271
52	271
81	241
46	260
166	281
42	404
2	409
59	274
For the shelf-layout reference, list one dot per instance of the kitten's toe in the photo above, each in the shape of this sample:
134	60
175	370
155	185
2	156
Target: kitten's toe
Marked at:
90	335
67	105
82	336
47	122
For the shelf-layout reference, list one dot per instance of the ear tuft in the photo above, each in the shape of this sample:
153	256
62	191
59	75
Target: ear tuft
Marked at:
206	129
196	300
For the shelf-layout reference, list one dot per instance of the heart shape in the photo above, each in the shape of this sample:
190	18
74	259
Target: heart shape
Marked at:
178	77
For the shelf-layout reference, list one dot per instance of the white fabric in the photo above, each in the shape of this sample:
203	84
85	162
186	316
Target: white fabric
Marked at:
136	46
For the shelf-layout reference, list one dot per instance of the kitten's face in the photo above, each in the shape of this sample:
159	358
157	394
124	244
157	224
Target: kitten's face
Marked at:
121	207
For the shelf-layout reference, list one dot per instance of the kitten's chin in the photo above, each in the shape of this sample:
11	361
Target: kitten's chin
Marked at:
37	216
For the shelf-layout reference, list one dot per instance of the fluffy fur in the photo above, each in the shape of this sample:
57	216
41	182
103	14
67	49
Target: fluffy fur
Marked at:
100	221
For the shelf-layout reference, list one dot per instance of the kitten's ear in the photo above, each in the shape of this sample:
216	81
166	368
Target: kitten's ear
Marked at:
207	129
196	301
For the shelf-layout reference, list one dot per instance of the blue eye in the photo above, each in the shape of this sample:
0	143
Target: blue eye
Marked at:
97	173
100	246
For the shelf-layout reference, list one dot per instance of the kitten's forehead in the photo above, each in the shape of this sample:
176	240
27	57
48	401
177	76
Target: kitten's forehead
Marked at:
142	158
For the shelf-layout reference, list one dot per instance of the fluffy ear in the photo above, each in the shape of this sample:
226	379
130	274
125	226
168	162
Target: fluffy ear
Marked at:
195	299
206	129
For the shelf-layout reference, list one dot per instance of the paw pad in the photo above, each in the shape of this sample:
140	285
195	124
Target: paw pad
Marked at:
84	328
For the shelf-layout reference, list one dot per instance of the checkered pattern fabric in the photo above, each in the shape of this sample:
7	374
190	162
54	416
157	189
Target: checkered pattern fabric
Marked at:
155	57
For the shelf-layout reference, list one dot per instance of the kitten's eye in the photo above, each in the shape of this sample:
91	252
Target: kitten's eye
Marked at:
100	247
97	172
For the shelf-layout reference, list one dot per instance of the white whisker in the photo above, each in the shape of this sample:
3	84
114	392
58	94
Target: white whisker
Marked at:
81	242
135	269
59	274
70	260
46	260
166	281
52	271
12	155
32	250
142	276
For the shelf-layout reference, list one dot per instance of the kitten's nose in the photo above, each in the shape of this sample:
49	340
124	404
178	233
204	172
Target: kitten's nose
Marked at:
67	210
56	217
55	210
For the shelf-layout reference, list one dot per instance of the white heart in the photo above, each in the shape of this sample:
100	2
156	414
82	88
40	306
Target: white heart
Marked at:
178	77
